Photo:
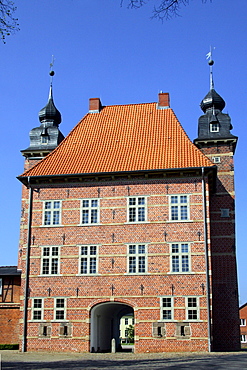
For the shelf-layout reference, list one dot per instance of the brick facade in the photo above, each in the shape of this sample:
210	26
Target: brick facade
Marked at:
9	305
243	324
103	245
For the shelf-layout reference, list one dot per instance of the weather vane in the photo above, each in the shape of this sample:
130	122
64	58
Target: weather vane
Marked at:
211	63
51	68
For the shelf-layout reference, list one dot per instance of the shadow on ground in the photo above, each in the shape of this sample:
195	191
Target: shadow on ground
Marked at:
237	361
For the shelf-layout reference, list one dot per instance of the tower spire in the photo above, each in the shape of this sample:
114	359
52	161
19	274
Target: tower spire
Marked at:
211	63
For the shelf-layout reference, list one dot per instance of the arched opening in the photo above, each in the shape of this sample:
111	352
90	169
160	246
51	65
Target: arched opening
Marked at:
105	325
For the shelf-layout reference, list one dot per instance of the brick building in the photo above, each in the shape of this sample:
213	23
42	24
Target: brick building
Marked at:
10	283
126	216
243	324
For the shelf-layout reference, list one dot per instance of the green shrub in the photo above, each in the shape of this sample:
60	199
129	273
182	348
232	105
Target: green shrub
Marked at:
9	346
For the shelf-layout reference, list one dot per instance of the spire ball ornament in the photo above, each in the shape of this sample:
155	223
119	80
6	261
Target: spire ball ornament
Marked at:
211	62
51	73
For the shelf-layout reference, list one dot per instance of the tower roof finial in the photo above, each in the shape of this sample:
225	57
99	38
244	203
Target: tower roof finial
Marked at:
211	63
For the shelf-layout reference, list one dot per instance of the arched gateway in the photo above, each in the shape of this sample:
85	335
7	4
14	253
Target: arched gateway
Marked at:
105	321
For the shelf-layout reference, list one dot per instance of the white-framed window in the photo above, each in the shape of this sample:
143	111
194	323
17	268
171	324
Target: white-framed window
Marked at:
89	211
216	159
242	322
179	207
37	309
180	257
243	338
59	309
1	286
166	308
192	308
52	213
214	127
44	139
88	259
126	321
137	209
137	258
50	261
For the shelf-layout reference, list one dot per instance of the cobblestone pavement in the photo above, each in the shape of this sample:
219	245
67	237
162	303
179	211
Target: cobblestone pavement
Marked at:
119	361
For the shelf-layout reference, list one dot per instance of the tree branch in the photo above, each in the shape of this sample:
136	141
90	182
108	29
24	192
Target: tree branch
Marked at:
8	24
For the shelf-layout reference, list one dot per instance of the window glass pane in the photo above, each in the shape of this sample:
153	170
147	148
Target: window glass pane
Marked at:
56	204
54	251
46	251
132	214
167	314
85	216
94	203
185	263
59	315
175	248
132	264
85	203
36	315
94	216
184	214
141	201
192	314
167	302
93	249
37	303
192	302
83	265
184	248
141	214
92	265
141	249
183	199
56	218
47	218
47	205
60	302
132	201
141	264
45	269
175	263
132	249
174	199
84	250
174	212
54	266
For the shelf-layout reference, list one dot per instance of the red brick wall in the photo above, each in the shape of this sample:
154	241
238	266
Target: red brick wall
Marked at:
224	273
96	289
10	310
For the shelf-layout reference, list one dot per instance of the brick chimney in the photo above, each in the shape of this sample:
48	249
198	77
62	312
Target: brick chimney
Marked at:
164	100
94	105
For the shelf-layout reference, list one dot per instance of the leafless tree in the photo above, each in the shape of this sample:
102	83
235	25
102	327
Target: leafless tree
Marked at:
8	24
165	9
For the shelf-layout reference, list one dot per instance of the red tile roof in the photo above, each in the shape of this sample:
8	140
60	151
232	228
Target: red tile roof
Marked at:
123	138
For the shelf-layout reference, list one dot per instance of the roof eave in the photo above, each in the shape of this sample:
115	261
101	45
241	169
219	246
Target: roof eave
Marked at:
30	181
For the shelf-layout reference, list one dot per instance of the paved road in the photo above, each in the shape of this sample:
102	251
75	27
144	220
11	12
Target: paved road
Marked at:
123	361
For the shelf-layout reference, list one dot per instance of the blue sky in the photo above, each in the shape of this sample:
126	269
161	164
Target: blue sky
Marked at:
121	56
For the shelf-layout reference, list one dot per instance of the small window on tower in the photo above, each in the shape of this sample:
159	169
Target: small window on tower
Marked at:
214	127
44	139
216	159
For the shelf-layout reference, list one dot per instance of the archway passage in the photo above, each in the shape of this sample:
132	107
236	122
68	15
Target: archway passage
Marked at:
105	322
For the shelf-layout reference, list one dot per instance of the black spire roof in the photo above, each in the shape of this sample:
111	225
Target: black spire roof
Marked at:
50	113
47	136
212	100
213	125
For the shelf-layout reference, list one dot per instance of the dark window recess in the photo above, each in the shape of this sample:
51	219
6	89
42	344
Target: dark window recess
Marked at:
45	331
